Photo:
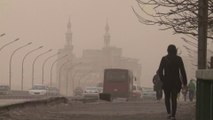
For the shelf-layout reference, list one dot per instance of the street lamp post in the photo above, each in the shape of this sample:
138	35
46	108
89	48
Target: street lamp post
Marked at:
60	70
45	63
9	43
25	56
11	57
51	70
73	77
33	65
67	76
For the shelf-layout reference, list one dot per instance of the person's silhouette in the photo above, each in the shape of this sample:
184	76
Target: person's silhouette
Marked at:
172	74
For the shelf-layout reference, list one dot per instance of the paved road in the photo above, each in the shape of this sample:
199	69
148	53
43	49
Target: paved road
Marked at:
101	110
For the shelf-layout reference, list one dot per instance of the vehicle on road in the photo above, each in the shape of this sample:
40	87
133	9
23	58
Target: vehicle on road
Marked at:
78	91
136	92
39	89
100	89
148	93
4	89
118	83
53	91
91	93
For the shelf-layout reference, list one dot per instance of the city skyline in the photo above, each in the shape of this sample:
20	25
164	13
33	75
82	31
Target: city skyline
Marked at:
44	24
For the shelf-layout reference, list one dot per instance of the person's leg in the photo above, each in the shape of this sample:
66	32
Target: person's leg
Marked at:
160	94
157	95
174	102
167	101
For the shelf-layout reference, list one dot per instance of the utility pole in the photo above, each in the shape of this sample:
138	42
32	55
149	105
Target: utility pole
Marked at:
202	33
201	109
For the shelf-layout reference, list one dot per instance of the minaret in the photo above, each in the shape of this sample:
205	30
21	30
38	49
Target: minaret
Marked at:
107	36
70	57
68	44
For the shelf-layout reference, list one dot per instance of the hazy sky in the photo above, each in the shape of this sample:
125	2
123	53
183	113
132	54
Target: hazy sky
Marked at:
43	22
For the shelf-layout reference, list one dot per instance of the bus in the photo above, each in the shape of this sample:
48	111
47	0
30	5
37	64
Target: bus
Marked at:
118	83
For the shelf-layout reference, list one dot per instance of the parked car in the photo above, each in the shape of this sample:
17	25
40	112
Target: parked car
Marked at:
38	89
4	89
148	93
53	91
91	93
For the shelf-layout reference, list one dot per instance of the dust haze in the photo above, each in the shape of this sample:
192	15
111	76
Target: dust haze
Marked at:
44	23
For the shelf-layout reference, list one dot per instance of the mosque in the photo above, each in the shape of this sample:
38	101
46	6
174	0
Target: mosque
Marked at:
87	70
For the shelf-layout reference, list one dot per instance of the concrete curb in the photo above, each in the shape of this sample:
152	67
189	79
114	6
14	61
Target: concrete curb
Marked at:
34	103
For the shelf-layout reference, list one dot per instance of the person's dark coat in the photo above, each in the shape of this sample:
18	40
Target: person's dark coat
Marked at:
172	72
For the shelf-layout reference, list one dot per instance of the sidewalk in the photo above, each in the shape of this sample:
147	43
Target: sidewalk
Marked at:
102	110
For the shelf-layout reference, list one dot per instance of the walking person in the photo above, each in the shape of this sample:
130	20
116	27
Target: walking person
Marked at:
191	88
170	70
157	86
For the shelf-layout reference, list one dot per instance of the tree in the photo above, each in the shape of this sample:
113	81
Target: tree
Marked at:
179	15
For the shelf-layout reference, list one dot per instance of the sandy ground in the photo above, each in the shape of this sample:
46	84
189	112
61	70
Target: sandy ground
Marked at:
101	110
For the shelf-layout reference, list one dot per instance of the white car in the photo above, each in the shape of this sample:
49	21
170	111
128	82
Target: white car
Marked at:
91	93
4	89
148	93
53	91
38	90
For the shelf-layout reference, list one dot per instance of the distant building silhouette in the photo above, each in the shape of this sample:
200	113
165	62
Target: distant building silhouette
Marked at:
88	69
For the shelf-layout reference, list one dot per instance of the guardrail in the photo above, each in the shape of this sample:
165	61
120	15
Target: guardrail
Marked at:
204	105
